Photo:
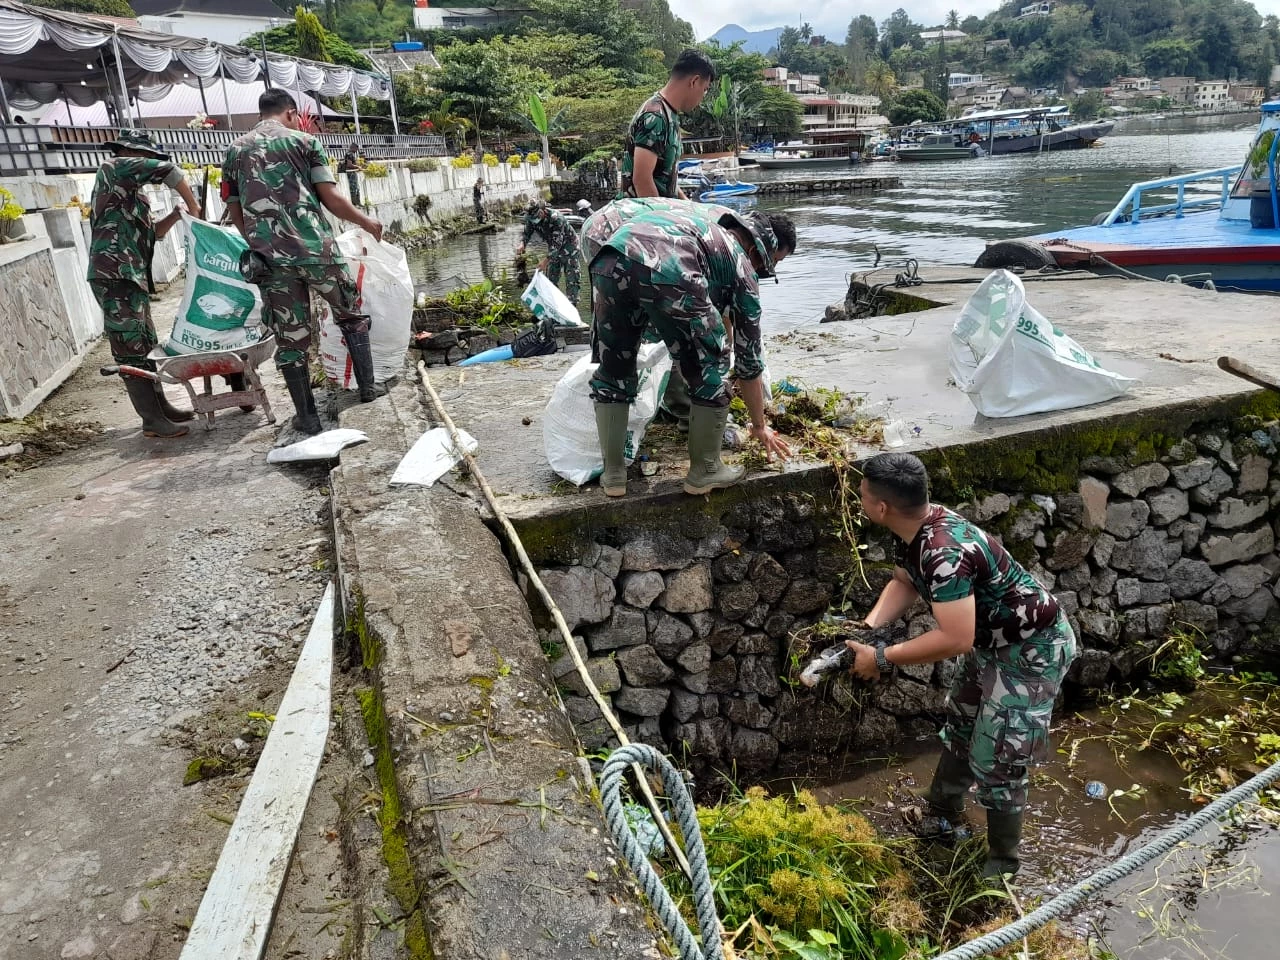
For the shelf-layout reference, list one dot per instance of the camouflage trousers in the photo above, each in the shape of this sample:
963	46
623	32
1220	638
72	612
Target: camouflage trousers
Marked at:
625	300
568	263
999	709
286	305
126	319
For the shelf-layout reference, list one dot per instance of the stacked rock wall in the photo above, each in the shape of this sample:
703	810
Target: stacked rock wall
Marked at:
687	609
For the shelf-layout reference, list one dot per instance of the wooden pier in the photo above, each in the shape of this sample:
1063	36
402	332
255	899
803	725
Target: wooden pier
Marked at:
864	184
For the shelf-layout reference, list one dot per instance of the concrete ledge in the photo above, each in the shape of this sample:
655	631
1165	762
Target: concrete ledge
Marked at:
488	826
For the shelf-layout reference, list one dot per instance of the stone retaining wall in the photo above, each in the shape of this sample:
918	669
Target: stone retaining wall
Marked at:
688	609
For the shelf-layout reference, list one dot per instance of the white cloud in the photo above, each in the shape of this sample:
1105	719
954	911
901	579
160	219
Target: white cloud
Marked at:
831	17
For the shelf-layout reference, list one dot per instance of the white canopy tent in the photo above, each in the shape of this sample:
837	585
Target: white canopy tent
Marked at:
47	55
219	101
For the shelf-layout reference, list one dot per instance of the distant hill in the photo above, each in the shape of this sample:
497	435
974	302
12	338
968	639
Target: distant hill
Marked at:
753	41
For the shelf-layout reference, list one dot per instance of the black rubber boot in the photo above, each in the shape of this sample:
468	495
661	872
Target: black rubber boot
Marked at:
169	410
238	382
361	363
142	394
1004	833
945	798
298	379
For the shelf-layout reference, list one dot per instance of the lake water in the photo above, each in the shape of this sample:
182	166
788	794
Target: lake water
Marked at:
942	213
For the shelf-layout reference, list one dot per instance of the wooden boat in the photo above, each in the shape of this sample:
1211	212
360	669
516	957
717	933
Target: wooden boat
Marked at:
1029	131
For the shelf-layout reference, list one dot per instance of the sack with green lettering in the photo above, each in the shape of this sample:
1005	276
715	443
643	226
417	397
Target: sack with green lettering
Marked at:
219	310
1011	361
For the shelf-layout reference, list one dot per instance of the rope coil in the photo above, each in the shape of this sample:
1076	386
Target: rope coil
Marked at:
615	769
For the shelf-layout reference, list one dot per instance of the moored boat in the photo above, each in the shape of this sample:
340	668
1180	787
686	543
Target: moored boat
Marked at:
1213	227
937	146
1034	130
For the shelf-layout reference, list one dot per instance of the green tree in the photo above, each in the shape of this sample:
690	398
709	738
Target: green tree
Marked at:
881	81
313	39
899	30
1088	105
912	105
953	20
284	39
860	44
778	113
104	8
666	31
624	46
481	79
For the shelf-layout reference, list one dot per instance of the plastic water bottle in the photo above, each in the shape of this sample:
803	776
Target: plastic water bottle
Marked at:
1095	789
893	434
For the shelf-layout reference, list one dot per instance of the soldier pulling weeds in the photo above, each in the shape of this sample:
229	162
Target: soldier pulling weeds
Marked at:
1014	641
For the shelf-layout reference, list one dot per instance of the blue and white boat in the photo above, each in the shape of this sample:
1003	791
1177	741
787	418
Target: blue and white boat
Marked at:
1212	228
707	190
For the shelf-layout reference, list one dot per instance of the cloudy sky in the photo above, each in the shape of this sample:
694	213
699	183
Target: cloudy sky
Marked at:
832	17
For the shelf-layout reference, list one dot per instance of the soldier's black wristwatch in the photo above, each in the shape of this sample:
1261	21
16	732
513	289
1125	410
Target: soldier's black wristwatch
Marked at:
882	662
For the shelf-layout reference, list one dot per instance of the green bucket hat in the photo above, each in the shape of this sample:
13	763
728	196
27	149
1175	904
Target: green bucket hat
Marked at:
136	140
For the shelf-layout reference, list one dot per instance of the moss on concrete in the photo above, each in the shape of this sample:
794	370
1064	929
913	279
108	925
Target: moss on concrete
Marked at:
358	635
402	881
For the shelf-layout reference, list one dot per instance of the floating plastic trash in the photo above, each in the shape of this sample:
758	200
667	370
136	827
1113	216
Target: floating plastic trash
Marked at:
1095	789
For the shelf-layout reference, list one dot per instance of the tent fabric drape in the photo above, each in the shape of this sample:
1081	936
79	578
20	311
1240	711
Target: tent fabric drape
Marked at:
36	68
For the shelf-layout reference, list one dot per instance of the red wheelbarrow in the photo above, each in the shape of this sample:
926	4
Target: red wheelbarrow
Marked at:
186	367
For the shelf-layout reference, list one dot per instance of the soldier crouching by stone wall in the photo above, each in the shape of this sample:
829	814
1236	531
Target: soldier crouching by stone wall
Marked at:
122	240
275	180
1015	646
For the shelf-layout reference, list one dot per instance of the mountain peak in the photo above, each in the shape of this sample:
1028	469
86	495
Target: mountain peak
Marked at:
753	41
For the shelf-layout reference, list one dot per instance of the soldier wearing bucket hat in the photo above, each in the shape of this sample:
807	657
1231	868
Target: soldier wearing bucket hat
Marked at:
121	244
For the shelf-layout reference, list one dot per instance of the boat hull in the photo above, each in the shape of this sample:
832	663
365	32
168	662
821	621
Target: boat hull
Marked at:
1229	252
777	163
1072	138
946	153
728	192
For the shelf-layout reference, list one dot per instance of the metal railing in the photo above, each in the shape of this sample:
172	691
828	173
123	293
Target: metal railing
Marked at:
26	148
1130	208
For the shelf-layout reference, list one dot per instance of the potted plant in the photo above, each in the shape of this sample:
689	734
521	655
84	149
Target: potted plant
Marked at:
1261	214
10	217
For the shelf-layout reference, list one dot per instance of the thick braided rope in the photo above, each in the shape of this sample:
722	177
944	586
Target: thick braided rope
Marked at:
611	779
1086	888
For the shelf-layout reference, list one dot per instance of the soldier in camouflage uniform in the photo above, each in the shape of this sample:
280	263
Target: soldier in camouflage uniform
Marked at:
120	248
1015	642
277	183
680	273
653	140
604	222
562	246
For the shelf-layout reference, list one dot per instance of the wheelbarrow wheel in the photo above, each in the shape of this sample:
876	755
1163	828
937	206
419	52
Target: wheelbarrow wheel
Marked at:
236	381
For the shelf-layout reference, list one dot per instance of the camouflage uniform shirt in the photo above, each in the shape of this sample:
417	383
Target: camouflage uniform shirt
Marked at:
656	128
951	559
123	234
560	237
601	225
706	262
271	172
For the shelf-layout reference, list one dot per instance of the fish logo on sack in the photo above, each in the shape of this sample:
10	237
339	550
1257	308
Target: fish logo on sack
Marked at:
217	306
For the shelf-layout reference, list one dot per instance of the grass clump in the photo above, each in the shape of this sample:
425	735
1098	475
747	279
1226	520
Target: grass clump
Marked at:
799	880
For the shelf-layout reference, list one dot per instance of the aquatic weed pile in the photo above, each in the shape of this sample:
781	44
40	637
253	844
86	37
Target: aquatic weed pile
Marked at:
44	439
799	880
825	425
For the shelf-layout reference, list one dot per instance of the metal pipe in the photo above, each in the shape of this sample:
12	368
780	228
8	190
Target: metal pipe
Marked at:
266	64
124	87
226	100
204	104
395	117
355	105
5	116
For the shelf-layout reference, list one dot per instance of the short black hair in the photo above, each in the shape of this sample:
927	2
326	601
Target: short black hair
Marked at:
275	101
694	63
785	230
899	479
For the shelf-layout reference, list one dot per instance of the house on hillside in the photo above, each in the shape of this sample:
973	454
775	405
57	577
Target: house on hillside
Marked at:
1043	9
1137	84
1004	43
1015	97
223	21
934	37
794	83
964	79
1211	94
1246	93
1180	90
427	17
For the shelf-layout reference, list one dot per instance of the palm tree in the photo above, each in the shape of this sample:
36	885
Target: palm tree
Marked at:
806	32
445	122
880	80
953	20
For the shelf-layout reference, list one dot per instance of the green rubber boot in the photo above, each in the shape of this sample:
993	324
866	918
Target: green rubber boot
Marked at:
707	471
1004	833
611	424
675	399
